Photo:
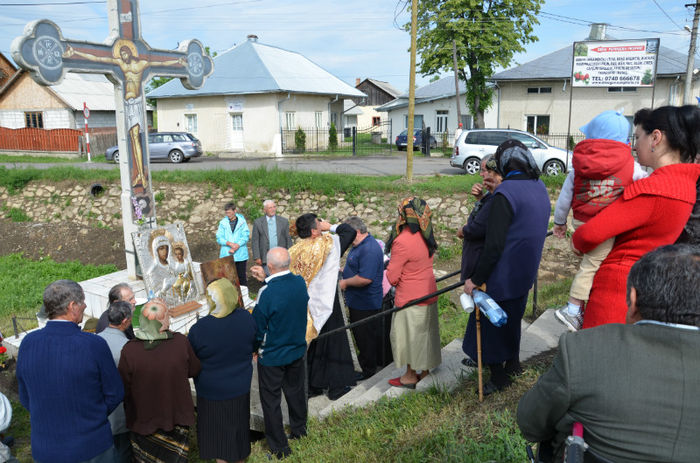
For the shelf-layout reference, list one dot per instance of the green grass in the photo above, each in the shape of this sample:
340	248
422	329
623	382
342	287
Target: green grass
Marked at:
435	427
23	282
243	181
40	159
15	214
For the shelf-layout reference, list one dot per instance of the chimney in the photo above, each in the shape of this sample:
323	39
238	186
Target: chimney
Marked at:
252	37
598	31
357	81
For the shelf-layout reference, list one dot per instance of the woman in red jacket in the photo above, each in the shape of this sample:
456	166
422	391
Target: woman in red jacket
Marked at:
415	333
650	213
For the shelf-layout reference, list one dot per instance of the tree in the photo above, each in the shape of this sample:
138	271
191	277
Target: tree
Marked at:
333	137
487	33
300	140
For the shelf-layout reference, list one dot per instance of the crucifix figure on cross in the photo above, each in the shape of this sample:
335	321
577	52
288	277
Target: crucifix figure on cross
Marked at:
126	60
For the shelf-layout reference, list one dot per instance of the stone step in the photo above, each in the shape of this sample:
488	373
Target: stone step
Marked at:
542	335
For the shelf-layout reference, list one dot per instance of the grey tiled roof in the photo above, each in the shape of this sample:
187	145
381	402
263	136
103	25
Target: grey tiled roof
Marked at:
442	88
557	65
254	67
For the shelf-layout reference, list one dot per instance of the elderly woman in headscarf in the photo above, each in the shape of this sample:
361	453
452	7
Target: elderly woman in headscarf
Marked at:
155	367
224	342
507	267
415	332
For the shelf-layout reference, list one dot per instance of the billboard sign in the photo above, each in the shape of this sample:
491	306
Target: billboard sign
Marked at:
615	63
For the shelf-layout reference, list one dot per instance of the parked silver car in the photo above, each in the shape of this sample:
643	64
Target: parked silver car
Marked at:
175	146
474	144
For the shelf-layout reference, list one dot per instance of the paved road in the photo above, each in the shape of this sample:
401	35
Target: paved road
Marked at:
378	165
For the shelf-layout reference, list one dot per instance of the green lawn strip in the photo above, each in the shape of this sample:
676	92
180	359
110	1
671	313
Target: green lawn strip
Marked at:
23	282
241	181
40	159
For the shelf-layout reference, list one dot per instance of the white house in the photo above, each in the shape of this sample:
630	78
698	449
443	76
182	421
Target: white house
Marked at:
435	107
535	96
256	98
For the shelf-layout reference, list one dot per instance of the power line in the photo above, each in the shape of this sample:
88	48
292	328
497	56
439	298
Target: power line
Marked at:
55	3
666	14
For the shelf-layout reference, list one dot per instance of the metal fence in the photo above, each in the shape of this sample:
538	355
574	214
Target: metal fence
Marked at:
559	139
374	140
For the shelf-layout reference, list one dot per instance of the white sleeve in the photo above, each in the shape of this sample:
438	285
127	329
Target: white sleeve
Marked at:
561	209
639	172
323	287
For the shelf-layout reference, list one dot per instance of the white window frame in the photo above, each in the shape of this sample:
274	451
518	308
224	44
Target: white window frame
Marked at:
189	118
441	119
290	119
536	118
318	119
237	127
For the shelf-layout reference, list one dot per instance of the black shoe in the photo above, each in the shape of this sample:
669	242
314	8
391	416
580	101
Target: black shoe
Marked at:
491	387
362	376
314	391
337	394
513	368
467	362
292	436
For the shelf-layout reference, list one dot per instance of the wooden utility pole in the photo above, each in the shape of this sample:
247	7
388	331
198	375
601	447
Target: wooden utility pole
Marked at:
454	66
411	92
688	89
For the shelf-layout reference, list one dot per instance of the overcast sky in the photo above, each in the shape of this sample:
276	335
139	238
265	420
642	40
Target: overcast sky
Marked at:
360	38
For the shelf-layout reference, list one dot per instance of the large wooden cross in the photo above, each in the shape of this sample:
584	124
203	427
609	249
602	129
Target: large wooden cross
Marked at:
128	62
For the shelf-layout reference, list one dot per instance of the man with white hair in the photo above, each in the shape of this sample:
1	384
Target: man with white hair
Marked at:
119	292
68	382
269	231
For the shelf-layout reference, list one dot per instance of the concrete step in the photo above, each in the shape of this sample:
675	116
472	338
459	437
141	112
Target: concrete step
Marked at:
542	335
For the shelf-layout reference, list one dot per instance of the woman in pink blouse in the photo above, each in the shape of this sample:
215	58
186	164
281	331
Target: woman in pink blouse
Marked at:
415	332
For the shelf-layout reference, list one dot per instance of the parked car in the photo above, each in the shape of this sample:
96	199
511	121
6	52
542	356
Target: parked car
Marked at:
472	145
175	146
417	140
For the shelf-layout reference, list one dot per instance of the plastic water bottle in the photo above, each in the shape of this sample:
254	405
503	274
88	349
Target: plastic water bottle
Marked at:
467	302
490	308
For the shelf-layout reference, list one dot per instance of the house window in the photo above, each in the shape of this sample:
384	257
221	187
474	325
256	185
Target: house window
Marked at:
621	89
538	125
237	122
290	117
376	120
191	123
417	121
467	121
441	121
539	90
35	120
318	118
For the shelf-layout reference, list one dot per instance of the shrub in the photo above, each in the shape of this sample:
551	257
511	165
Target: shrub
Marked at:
300	140
332	138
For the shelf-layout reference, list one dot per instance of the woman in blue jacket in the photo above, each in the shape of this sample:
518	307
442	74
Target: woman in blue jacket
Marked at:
232	236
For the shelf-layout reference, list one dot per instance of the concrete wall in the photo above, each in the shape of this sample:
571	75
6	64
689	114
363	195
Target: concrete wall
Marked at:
200	207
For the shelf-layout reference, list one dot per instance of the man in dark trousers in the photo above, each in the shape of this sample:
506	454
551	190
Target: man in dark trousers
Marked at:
280	315
634	387
362	283
269	231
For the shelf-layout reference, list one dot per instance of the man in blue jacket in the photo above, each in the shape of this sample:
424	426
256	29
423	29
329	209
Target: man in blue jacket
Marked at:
281	318
68	382
232	236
